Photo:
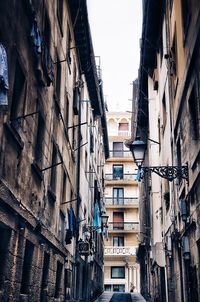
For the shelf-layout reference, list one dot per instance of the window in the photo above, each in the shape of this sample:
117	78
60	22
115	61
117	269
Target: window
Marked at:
123	129
91	141
118	241
39	139
69	39
118	272
61	229
194	109
4	245
64	187
60	14
58	287
47	32
53	169
45	274
118	221
164	117
107	287
118	196
18	97
117	171
27	264
76	100
119	288
161	49
67	116
118	149
58	79
186	15
173	57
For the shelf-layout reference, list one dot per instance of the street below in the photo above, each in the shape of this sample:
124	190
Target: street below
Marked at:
120	297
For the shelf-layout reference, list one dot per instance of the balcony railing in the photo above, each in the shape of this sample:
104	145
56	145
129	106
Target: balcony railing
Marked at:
119	250
123	226
121	201
120	153
126	176
124	133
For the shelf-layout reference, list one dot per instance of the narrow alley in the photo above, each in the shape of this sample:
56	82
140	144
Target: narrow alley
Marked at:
99	150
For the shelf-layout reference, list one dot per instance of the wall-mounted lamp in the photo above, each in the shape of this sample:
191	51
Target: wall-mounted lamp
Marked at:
138	148
104	224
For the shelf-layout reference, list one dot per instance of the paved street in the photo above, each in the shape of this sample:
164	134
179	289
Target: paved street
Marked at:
120	297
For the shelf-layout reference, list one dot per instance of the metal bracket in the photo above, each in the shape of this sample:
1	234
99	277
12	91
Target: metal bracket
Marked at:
168	172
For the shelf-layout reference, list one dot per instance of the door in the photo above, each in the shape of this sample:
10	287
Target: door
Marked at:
118	221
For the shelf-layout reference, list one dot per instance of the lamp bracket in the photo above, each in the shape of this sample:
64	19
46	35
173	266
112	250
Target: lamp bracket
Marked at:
168	172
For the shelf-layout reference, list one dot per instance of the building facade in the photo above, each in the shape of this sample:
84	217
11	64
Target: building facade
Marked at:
168	111
121	201
53	147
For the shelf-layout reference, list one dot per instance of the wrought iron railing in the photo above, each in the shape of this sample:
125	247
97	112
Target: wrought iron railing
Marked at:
126	226
122	176
121	201
120	153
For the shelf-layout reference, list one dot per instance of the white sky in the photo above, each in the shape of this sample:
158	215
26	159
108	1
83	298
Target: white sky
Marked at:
116	30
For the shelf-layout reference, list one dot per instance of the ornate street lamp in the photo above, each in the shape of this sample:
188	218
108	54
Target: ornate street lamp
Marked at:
84	247
138	148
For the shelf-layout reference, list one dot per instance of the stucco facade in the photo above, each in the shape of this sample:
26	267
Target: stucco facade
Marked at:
121	271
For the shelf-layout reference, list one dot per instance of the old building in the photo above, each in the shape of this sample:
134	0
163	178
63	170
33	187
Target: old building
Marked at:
168	112
121	201
53	146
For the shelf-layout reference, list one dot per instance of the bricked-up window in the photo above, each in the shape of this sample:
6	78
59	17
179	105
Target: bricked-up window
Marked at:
53	169
58	285
27	266
118	272
186	15
4	246
18	96
45	275
194	108
39	139
60	13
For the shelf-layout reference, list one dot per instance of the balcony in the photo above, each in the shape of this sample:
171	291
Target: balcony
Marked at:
124	133
123	201
121	177
120	251
123	226
120	154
